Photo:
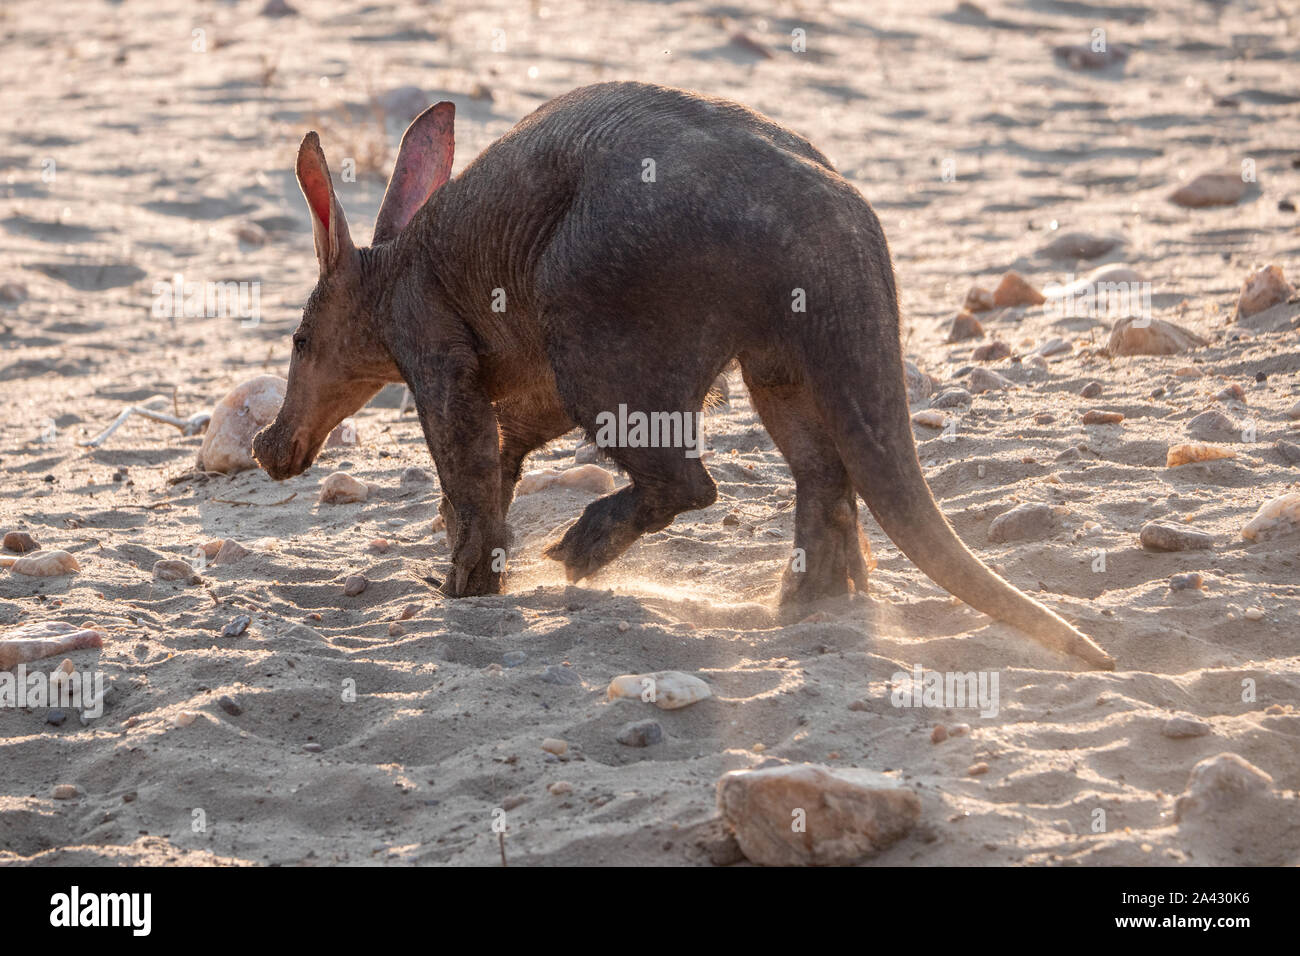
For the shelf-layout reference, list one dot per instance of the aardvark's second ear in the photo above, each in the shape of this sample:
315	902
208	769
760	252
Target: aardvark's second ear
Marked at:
423	164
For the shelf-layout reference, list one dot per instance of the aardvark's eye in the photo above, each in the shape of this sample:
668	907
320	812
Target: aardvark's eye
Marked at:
300	344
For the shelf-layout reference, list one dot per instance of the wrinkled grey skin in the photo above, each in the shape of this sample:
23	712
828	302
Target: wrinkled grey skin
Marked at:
622	291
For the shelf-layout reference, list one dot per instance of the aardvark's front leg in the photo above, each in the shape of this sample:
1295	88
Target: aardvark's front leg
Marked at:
461	430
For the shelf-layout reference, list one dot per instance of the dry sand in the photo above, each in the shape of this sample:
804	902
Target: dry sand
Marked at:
167	160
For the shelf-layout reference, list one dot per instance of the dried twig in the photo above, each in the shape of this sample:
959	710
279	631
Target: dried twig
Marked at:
196	424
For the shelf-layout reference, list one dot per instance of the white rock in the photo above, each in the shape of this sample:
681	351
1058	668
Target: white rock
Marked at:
1138	336
1211	189
1031	521
1183	726
805	814
341	488
246	410
1079	245
929	417
171	570
667	690
919	384
986	380
590	478
1276	516
1187	453
1218	785
45	564
1262	290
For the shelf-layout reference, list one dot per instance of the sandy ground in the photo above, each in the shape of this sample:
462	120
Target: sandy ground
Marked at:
128	156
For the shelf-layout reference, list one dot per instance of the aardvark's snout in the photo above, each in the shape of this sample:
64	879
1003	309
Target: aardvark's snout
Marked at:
281	454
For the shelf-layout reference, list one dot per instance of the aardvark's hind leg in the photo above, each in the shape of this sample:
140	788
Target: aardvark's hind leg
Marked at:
666	480
828	543
664	484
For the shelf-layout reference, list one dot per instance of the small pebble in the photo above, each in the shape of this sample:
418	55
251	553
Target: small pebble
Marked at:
1179	727
1254	614
1091	390
341	488
939	734
965	326
1188	453
56	717
589	478
560	788
354	584
46	564
1233	393
313	748
20	541
978	299
1211	189
230	706
668	690
565	676
1189	581
1134	336
230	552
986	380
172	570
642	733
1025	522
1276	516
66	791
1166	537
236	626
1262	290
976	769
1015	290
951	398
514	658
1289	451
1095	417
929	418
1214	425
1079	245
554	745
413	476
991	352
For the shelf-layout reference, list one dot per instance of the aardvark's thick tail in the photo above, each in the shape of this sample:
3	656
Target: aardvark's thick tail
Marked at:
869	418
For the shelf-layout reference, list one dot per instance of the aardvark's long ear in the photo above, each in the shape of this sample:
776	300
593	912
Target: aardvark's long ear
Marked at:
329	227
423	164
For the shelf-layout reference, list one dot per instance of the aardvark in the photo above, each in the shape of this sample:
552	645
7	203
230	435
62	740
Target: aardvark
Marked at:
555	279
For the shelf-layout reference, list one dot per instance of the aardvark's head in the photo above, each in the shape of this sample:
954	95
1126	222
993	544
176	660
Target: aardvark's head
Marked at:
339	360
